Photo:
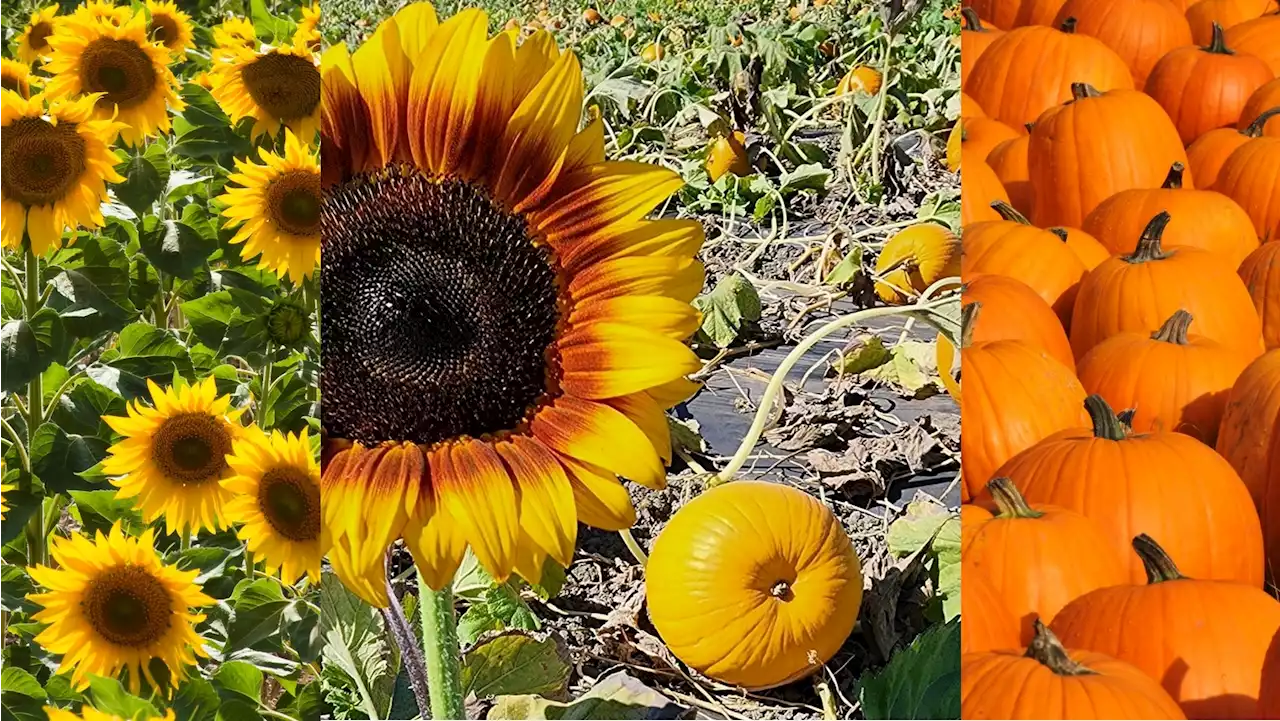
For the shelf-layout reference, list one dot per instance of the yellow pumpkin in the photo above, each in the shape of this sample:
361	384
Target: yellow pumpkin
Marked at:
754	584
728	154
916	258
946	355
618	21
652	53
591	16
860	79
955	141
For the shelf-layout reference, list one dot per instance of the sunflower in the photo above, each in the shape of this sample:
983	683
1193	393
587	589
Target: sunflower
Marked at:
89	713
112	605
308	32
173	455
235	32
104	11
170	26
129	71
56	164
16	76
276	86
277	487
33	43
3	488
278	209
507	329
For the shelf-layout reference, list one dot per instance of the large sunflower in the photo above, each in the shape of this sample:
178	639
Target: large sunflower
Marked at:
131	73
277	487
173	455
503	328
232	33
16	76
275	86
33	43
112	605
278	209
170	26
89	713
56	164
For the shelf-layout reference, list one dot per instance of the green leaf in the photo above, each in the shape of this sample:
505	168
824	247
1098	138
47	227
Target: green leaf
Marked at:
267	25
620	697
946	319
240	677
146	351
515	663
100	509
109	696
922	681
355	645
197	700
254	624
202	110
847	269
866	352
81	408
216	143
174	247
238	710
17	681
15	584
230	321
58	458
912	366
928	525
727	308
146	175
27	348
22	697
810	176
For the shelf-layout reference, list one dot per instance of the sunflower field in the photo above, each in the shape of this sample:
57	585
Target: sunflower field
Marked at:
160	200
785	544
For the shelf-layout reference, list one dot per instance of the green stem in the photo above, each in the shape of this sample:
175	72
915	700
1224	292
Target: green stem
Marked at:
248	563
35	531
159	308
634	546
442	652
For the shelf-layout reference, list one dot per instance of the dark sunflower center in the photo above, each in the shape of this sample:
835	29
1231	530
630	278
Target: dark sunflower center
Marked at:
128	606
290	501
294	202
191	448
39	35
443	311
164	29
41	161
119	68
287	86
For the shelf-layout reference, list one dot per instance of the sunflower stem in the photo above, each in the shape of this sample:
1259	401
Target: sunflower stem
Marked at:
634	546
442	651
35	530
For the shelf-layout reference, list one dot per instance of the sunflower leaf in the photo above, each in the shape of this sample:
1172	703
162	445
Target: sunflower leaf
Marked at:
515	663
28	347
145	351
355	646
146	176
109	696
196	701
240	677
58	458
174	247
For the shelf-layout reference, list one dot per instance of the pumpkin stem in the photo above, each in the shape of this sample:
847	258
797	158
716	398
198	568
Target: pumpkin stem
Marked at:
1068	26
1175	329
1060	232
1009	500
1160	567
1049	651
1173	181
1255	128
1106	424
1008	212
1218	44
968	317
970	20
1029	126
1080	91
780	590
1149	244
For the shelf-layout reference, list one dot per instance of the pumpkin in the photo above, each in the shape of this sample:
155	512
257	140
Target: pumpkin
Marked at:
1017	249
1202	219
1139	291
1261	275
1161	483
979	188
975	38
591	16
728	154
969	107
978	136
652	53
1175	380
1029	70
1015	14
1202	88
955	139
1009	161
1046	681
1011	310
988	624
860	79
946	356
1090	149
1251	177
1263	99
914	259
1039	558
1014	396
1203	15
1087	248
754	584
1139	31
1246	435
1210	151
1203	640
973	515
1257	37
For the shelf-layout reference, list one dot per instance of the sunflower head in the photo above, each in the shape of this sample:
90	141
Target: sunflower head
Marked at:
56	162
232	33
3	488
277	501
308	32
491	275
287	322
33	43
169	26
16	77
275	86
112	605
128	73
89	713
104	11
173	455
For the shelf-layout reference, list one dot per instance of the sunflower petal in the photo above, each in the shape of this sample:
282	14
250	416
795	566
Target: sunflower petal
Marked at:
382	74
443	89
479	495
546	498
606	360
601	501
600	435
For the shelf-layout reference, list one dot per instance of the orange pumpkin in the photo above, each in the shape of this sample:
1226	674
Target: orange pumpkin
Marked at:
975	38
1261	275
969	107
1203	15
1139	291
1210	151
979	188
1251	177
1130	483
860	79
1011	310
1139	31
1087	248
1249	427
1263	99
1203	640
591	16
1175	381
1201	219
914	259
1039	558
988	624
1202	88
978	136
773	568
1094	147
1029	70
1008	15
1257	37
728	154
1046	681
1017	249
954	141
1014	396
1009	161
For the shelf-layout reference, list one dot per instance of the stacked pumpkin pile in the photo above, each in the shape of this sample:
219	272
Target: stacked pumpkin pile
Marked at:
1121	359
